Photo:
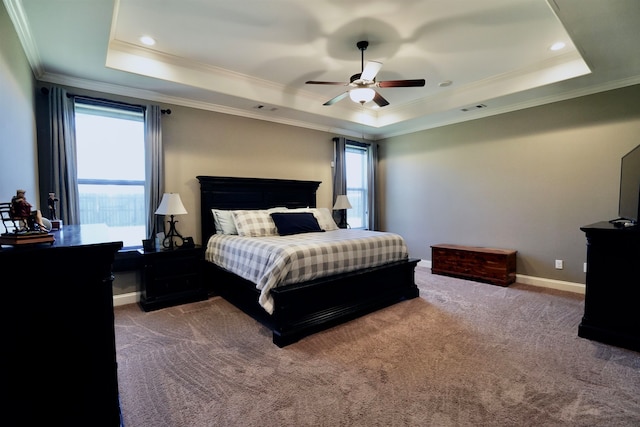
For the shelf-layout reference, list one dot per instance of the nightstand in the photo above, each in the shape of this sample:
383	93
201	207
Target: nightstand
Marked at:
171	277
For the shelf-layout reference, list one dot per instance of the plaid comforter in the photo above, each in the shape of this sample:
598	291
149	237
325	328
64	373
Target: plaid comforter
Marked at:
278	260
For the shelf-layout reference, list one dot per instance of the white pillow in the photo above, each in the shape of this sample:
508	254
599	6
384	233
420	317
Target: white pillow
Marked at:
299	210
325	219
278	209
254	223
224	222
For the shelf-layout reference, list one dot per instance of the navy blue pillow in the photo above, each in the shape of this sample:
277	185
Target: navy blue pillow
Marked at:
295	223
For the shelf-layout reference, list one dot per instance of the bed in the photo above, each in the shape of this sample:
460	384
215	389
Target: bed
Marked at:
303	308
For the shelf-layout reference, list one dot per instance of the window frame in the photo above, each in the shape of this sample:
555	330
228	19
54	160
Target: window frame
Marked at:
358	195
117	110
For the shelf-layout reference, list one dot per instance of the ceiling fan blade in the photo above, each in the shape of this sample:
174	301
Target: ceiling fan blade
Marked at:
313	82
337	98
402	83
370	71
378	99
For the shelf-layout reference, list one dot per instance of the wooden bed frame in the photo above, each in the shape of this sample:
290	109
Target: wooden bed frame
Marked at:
304	308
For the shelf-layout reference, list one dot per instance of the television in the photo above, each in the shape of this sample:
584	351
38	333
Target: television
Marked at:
629	203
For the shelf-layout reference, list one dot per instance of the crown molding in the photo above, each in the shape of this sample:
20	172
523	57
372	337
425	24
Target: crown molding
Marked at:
147	95
21	25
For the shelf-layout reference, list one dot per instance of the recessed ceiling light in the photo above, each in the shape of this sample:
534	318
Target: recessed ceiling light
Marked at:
557	46
445	83
147	40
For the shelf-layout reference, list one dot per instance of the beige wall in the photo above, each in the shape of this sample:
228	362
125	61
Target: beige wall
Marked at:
18	164
201	142
526	180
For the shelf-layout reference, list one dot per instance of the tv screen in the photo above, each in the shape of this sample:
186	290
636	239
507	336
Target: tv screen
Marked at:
629	204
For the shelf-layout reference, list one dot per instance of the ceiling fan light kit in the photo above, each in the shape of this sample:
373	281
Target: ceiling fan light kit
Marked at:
363	82
362	95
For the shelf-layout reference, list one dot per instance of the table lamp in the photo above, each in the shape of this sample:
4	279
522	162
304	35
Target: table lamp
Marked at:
342	204
171	204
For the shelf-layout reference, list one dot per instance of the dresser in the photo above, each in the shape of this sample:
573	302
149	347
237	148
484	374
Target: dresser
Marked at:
59	342
612	293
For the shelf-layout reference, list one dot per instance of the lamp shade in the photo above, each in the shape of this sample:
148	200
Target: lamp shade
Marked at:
171	204
342	202
362	95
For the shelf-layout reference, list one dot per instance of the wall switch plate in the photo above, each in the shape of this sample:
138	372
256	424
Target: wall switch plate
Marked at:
584	267
559	264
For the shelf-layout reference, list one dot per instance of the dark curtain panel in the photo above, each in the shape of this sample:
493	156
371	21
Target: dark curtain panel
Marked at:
372	205
154	168
339	172
64	164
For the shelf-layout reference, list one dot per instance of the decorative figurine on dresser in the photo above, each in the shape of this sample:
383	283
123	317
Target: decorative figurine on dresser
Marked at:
56	223
23	210
23	225
52	205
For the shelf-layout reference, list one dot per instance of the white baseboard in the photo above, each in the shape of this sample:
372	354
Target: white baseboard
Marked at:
124	299
541	282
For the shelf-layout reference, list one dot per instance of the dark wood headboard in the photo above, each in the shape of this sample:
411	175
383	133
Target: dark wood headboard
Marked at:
223	192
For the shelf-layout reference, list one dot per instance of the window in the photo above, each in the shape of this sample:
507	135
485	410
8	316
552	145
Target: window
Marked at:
111	168
357	160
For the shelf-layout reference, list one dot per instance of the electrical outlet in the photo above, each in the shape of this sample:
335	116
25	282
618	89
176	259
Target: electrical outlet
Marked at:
559	264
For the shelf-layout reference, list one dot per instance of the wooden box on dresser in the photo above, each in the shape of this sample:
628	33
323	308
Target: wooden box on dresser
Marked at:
171	277
59	343
495	266
612	294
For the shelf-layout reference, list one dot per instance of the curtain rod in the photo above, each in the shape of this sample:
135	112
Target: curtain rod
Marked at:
45	91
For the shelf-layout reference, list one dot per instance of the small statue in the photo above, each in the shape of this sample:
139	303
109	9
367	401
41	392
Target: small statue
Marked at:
22	209
52	205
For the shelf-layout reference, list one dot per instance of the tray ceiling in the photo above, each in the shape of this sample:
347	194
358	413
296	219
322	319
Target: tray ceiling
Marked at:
252	58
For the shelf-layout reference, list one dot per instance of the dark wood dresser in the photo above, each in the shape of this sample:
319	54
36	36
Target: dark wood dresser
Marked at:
612	294
495	266
59	343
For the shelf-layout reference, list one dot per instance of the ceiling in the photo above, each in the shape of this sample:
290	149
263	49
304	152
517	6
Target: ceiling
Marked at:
252	57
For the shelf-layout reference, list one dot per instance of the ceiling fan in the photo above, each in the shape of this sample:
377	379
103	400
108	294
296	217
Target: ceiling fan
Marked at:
362	83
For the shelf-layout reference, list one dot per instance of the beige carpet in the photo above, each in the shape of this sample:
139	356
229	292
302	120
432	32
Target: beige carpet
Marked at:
463	354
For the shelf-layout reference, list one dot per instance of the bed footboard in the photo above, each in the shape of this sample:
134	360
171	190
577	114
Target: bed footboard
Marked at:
309	307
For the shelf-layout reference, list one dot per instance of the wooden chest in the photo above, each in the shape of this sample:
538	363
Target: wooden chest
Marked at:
496	266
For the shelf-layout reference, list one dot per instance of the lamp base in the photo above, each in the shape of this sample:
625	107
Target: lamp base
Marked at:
168	242
343	219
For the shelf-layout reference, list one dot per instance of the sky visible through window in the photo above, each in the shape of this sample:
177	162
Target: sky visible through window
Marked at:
109	148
